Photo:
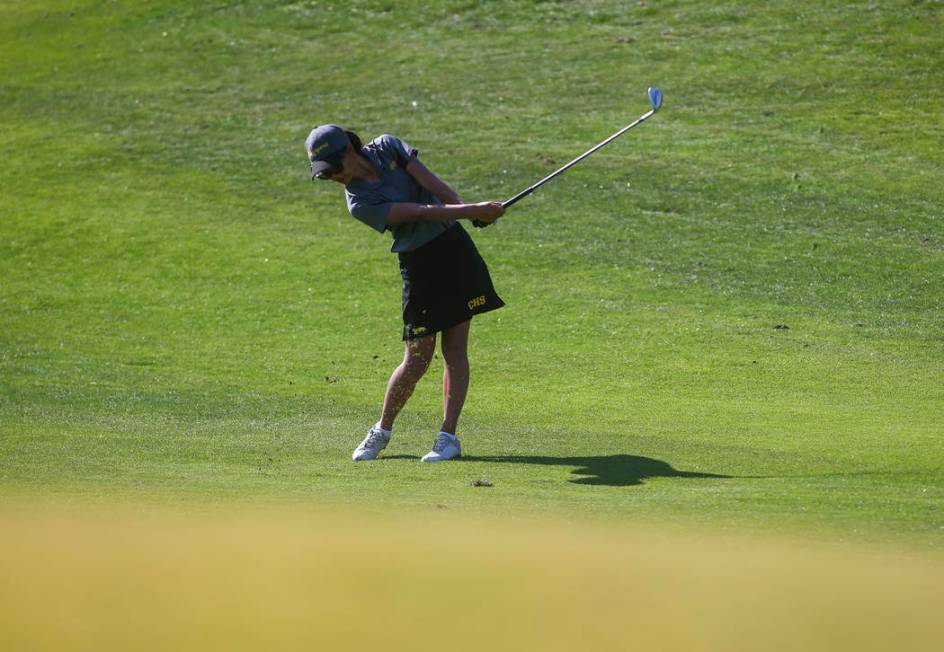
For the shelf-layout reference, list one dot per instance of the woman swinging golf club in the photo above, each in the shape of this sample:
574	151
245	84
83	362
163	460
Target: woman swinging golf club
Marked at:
445	280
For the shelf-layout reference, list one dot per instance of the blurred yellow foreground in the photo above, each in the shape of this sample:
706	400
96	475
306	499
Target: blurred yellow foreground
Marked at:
91	578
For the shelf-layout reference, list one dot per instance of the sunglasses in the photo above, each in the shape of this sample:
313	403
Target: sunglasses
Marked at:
336	166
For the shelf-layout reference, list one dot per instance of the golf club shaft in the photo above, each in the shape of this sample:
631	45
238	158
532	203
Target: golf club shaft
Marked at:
525	193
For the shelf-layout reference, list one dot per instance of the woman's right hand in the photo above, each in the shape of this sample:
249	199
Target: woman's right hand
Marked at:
488	211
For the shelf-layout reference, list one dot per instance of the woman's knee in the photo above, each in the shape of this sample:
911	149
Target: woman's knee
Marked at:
455	344
455	354
418	354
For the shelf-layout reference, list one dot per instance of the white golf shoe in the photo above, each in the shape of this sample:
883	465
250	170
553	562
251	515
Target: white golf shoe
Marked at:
376	440
446	447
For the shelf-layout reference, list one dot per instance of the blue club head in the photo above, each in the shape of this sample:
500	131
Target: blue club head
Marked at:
655	97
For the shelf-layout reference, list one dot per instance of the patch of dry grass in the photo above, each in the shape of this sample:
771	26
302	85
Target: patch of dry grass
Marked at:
131	577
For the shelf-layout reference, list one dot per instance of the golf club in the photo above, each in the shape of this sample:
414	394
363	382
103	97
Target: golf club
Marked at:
655	99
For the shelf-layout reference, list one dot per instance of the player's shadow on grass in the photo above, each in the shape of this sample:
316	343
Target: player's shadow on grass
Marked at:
609	470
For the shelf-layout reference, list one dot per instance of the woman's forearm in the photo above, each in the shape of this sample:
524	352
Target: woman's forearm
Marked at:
401	213
486	211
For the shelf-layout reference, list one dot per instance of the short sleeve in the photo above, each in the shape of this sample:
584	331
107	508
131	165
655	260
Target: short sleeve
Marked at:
373	215
396	149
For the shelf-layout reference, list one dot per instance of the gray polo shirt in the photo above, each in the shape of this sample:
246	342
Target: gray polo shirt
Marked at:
370	201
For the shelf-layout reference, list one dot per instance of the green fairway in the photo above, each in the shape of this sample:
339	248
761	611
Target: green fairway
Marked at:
731	317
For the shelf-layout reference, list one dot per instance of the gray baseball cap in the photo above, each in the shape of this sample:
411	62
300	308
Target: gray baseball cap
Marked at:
322	143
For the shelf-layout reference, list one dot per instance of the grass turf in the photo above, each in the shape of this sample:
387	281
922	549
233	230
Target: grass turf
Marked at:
730	317
114	578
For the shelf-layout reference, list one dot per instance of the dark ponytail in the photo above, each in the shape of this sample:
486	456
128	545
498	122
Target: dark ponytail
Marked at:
355	141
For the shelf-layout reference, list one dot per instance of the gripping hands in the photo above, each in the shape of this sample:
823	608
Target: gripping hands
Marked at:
486	213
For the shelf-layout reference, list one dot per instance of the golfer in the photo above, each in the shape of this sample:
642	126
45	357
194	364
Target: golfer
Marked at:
445	280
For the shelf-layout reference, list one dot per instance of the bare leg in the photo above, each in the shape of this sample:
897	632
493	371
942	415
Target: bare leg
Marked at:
455	343
416	356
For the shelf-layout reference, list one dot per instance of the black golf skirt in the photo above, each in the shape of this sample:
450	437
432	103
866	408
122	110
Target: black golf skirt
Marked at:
445	282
